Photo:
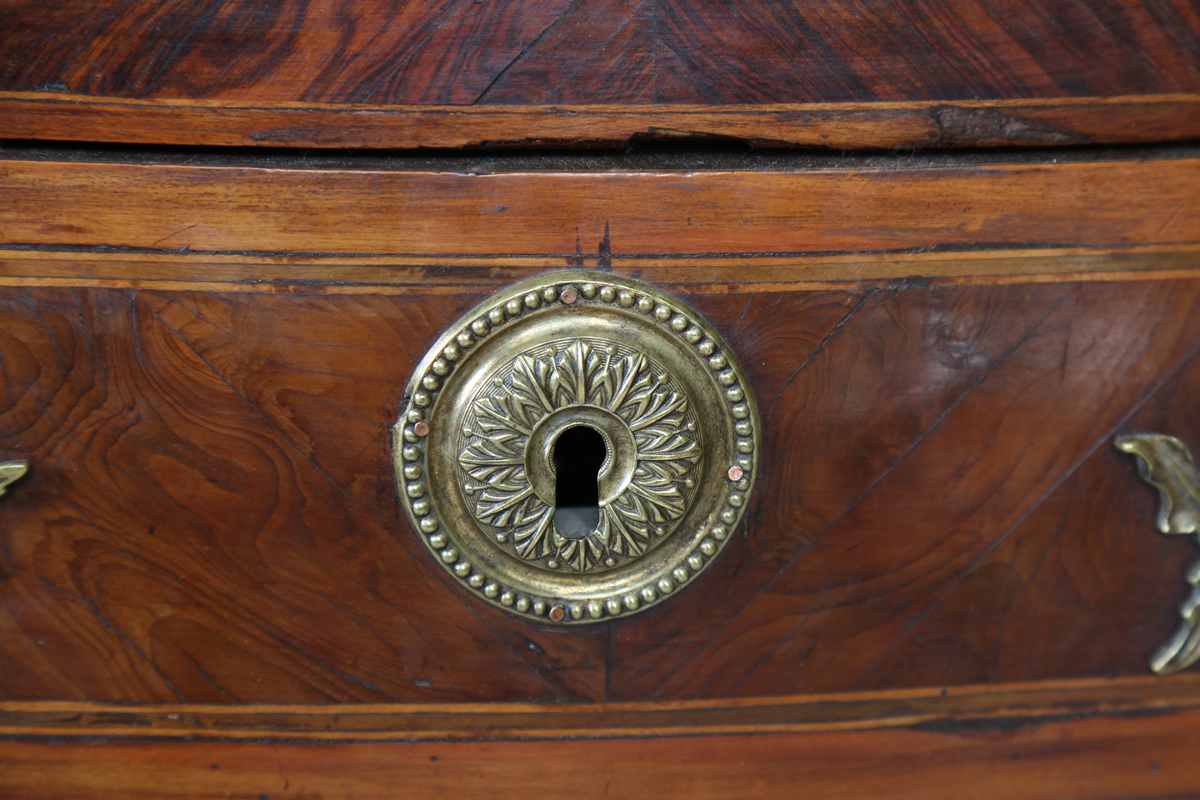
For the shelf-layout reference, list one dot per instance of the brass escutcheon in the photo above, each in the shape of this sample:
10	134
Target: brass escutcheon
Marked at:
496	394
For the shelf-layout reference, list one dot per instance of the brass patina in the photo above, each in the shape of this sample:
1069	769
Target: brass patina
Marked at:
485	407
10	471
1165	463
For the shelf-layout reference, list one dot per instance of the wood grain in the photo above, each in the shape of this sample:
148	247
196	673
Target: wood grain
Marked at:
1126	119
1150	756
707	227
453	274
1027	621
224	608
917	491
666	51
991	707
369	73
211	516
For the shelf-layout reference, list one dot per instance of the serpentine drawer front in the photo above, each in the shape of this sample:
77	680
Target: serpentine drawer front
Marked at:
344	455
560	398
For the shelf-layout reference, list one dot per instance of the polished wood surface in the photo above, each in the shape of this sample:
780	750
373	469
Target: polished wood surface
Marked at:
266	274
211	516
948	580
585	52
1078	756
983	707
1125	119
371	73
330	229
948	583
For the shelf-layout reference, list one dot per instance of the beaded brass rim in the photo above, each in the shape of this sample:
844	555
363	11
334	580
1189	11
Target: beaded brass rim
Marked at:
486	403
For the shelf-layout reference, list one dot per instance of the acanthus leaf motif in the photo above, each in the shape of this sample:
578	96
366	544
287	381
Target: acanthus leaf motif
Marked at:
579	372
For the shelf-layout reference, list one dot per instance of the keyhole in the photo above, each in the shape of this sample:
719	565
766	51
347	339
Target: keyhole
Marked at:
579	453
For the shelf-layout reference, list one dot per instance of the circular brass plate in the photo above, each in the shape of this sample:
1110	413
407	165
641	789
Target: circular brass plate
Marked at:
488	401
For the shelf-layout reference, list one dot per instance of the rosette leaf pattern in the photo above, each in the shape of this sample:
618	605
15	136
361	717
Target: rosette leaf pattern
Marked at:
579	372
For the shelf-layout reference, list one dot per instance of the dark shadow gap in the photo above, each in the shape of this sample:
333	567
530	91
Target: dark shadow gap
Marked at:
579	453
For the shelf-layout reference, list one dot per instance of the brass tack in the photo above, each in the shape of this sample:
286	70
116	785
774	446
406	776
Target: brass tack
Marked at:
557	613
421	429
736	473
569	296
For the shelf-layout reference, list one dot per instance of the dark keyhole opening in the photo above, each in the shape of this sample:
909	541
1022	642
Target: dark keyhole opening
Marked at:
579	453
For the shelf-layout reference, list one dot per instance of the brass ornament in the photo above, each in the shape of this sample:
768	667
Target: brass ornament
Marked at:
648	427
1165	463
10	471
487	404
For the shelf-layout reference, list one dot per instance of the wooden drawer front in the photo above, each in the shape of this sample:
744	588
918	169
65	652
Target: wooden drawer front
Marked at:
212	518
204	364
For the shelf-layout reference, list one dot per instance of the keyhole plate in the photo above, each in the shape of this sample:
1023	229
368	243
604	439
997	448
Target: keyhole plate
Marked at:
474	448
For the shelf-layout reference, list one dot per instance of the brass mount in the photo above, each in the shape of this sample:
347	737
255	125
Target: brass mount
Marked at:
488	404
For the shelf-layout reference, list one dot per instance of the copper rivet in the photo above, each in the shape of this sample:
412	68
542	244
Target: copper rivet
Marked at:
557	613
422	429
569	296
736	473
